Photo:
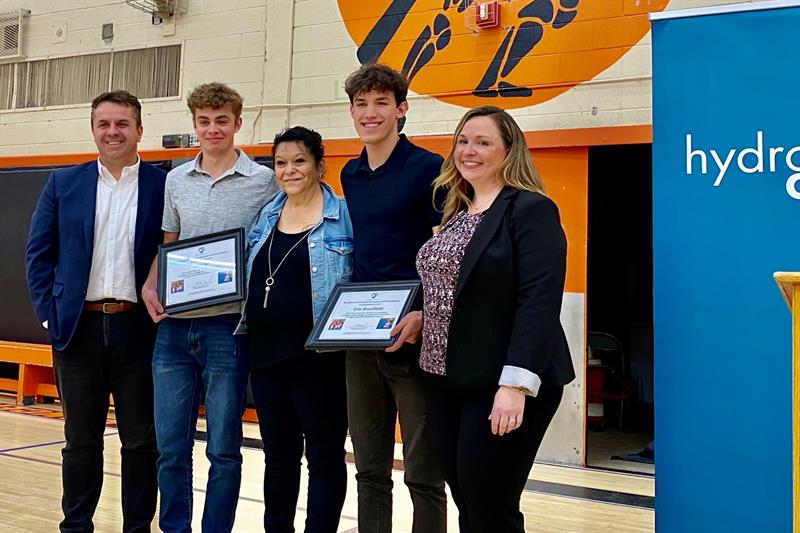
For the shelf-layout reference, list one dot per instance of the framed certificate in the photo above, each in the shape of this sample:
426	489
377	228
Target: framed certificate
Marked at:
201	271
360	316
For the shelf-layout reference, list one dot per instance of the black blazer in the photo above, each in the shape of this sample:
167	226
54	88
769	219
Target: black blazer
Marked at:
508	296
61	241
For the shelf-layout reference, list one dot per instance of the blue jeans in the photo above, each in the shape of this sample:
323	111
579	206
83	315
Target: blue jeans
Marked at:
192	355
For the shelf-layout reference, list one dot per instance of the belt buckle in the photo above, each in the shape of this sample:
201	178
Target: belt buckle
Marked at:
108	310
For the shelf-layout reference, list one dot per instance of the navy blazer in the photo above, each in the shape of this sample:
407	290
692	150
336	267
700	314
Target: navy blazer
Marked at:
507	301
58	257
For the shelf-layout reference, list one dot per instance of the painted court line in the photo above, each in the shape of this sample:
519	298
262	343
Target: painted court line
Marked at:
540	487
41	445
45	444
114	474
595	495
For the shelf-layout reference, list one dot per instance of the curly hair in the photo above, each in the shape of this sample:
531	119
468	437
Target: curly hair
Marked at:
214	95
517	169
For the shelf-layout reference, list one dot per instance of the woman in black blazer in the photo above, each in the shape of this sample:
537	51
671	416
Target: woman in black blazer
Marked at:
494	355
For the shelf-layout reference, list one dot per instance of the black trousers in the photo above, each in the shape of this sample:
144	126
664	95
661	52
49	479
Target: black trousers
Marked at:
108	355
381	388
486	473
301	402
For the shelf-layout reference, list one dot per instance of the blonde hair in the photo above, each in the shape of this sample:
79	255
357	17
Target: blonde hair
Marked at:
517	170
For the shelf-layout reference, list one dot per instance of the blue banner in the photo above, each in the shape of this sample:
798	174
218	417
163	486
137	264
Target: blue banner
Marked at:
726	215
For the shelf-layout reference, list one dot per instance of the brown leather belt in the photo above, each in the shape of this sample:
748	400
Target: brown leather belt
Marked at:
109	308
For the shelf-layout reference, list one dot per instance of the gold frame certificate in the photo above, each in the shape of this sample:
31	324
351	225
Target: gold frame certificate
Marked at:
201	271
360	316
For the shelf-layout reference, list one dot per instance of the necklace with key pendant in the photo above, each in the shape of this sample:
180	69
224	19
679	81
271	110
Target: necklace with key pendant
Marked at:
270	273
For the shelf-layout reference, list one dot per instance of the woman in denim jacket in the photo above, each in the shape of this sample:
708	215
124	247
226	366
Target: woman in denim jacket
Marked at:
299	249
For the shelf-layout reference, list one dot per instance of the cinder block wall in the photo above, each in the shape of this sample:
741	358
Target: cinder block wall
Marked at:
289	59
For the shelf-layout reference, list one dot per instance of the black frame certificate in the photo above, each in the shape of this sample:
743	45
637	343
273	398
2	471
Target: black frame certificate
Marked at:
360	316
201	271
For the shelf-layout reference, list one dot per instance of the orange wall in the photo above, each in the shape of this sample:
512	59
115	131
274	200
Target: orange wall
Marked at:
566	178
561	156
596	34
565	173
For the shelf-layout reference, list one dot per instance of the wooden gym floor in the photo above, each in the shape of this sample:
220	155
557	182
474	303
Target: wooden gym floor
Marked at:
558	499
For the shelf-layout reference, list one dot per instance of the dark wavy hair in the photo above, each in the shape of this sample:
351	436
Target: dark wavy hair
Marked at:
379	78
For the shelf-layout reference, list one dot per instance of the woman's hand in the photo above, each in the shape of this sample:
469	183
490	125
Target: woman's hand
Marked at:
507	410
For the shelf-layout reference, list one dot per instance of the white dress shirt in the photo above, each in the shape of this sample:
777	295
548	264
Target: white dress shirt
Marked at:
113	273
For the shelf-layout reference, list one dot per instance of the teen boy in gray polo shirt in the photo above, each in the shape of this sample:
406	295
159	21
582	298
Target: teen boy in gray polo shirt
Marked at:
220	189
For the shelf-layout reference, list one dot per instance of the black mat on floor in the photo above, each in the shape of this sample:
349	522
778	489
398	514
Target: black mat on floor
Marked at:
647	456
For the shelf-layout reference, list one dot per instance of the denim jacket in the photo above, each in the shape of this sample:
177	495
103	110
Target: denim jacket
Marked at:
330	247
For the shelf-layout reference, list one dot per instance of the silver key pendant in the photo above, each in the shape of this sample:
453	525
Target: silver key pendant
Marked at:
268	288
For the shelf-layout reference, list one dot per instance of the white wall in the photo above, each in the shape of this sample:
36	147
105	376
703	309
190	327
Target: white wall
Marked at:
289	60
223	40
564	441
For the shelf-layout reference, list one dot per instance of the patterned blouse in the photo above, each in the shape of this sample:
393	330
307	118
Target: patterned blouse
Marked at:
438	264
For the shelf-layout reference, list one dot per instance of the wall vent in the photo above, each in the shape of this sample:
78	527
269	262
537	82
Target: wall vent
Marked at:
11	34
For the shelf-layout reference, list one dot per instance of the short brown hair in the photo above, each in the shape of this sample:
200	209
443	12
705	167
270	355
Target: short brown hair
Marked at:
215	95
379	78
122	98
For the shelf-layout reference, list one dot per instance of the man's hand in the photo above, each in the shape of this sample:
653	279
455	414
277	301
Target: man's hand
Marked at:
154	307
407	330
509	404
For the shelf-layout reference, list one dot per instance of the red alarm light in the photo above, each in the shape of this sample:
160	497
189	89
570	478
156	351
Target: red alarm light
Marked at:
487	14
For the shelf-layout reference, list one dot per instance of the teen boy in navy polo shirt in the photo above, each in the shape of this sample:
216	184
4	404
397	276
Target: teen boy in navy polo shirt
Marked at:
389	195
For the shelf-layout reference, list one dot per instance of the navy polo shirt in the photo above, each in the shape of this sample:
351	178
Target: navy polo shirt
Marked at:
392	211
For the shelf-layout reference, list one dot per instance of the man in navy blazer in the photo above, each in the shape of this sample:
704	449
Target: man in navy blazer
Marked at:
93	236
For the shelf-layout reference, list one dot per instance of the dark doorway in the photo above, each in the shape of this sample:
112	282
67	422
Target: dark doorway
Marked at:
620	308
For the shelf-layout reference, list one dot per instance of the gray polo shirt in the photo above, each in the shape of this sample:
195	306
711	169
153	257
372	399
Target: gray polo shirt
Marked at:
196	204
